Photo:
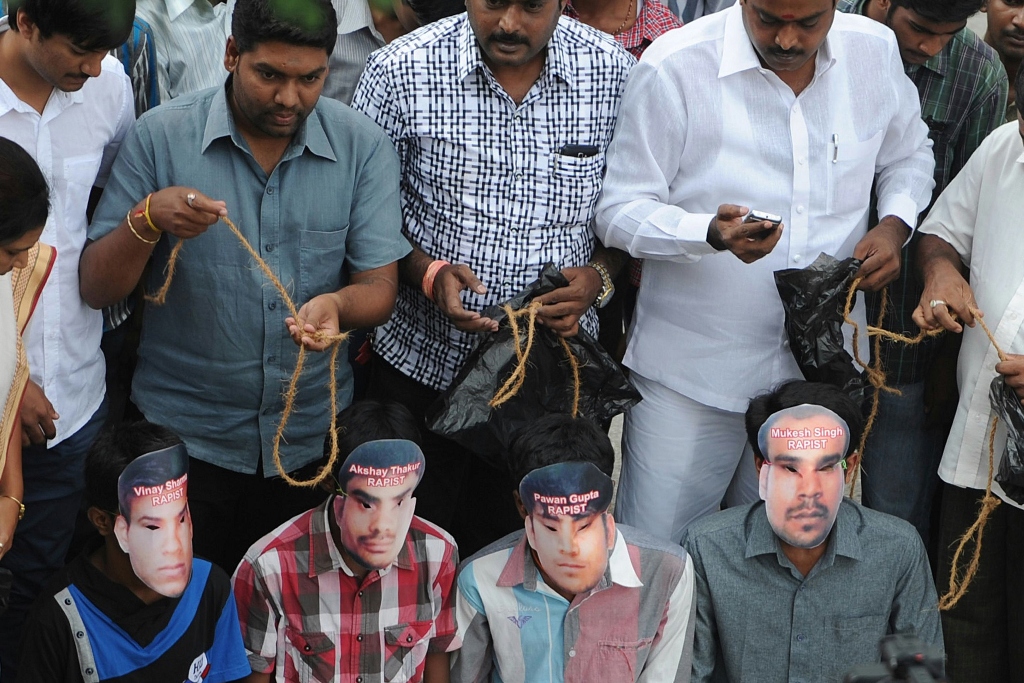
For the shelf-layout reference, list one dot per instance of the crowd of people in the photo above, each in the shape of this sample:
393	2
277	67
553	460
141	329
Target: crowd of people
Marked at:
668	159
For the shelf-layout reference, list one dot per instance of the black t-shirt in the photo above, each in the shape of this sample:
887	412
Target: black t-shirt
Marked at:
85	627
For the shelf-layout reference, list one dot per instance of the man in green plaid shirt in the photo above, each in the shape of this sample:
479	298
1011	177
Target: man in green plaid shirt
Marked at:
963	87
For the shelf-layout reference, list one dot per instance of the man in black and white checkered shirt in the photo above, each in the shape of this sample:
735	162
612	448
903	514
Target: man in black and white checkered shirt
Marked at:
501	117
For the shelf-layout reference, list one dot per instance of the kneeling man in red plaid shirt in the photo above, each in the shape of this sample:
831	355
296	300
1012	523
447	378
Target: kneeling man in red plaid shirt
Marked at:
356	590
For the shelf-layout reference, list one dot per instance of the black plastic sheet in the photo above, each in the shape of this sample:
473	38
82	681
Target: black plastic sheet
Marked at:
1007	405
462	413
814	298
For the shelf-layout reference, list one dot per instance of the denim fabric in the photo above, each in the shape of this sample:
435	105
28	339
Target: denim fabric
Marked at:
901	459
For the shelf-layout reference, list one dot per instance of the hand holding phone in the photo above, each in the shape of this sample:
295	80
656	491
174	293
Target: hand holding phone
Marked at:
762	217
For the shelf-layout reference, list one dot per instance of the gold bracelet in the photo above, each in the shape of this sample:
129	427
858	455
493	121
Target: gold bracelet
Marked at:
149	221
21	506
128	219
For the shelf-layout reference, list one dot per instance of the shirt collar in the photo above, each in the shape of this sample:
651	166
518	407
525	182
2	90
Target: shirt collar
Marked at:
556	63
324	553
175	8
220	124
354	16
738	53
844	539
521	570
940	62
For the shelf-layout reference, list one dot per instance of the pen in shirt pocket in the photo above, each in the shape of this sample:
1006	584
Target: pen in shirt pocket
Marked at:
835	147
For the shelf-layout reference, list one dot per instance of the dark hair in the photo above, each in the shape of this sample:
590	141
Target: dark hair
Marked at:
370	420
942	11
799	392
112	451
559	438
89	24
429	11
24	194
308	23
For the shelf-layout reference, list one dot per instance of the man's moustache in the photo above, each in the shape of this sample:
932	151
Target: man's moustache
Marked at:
512	38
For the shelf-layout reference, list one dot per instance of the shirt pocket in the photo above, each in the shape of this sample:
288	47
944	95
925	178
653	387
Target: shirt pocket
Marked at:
405	648
575	186
849	639
619	661
309	656
321	260
851	170
79	175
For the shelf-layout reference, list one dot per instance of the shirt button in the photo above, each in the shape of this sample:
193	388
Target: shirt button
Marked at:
796	258
80	634
519	176
359	638
408	639
89	671
800	637
266	411
272	305
801	161
271	359
307	648
572	653
269	248
67	601
360	593
800	208
270	190
359	679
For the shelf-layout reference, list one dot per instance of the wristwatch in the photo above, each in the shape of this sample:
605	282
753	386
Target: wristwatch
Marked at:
607	287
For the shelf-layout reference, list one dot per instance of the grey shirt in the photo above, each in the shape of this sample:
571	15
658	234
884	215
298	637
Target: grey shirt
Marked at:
760	621
215	358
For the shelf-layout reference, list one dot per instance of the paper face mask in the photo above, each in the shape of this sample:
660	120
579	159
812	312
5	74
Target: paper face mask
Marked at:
567	524
154	526
377	481
802	478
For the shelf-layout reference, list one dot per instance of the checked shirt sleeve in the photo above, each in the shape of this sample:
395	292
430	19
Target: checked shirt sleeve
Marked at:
257	616
446	631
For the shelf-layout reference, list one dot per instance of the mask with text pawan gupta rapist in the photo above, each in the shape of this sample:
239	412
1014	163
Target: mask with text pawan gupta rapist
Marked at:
567	523
154	525
803	476
377	481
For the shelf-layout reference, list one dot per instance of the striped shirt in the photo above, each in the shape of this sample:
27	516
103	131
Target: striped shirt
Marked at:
306	617
189	36
963	99
484	180
635	625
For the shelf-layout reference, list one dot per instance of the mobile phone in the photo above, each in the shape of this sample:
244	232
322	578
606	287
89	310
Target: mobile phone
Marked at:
760	217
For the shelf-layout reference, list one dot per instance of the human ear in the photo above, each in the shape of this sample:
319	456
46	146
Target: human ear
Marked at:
121	532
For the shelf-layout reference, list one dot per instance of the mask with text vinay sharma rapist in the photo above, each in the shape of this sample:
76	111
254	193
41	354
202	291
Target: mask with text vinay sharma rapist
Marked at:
803	476
154	525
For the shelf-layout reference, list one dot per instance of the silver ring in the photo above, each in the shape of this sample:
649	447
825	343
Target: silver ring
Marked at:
190	197
937	302
1	546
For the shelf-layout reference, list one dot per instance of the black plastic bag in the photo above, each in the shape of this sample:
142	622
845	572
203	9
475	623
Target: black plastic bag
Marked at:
1008	406
462	412
814	298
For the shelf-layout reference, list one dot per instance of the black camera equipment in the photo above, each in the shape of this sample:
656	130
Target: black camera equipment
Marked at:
904	658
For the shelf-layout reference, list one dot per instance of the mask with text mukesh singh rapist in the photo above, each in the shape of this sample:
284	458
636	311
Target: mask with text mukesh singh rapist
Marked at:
803	475
155	526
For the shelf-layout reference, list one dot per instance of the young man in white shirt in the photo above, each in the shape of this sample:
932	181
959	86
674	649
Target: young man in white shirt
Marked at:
69	105
783	106
975	223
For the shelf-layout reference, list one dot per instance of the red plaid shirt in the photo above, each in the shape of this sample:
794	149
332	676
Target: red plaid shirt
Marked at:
653	20
305	617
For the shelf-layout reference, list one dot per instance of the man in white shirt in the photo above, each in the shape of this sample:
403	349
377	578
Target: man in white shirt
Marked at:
785	107
69	105
189	36
976	223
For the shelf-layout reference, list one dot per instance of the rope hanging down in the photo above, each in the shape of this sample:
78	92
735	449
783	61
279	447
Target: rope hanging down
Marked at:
334	341
515	381
876	377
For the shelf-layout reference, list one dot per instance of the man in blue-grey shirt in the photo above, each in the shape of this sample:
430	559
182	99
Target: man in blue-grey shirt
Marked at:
801	586
313	186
